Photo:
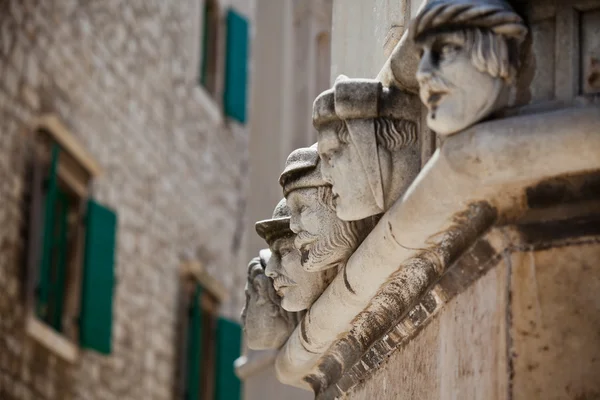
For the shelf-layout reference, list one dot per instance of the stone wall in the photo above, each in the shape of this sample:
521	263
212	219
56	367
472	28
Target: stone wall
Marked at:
527	329
120	74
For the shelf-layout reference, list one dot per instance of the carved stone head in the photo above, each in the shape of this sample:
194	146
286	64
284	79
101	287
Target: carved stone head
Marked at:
266	324
324	240
297	288
368	144
469	53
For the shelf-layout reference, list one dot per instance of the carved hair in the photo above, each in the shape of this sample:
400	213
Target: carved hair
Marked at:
491	30
490	53
390	133
325	197
394	134
347	235
496	16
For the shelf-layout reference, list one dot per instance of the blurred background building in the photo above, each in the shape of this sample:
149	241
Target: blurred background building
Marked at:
291	53
139	142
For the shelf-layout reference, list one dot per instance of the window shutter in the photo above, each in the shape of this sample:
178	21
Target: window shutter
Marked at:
43	285
229	345
194	352
205	43
58	268
98	278
236	67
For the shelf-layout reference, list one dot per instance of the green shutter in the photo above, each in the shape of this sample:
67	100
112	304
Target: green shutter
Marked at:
98	279
194	348
229	346
236	67
58	271
205	43
43	285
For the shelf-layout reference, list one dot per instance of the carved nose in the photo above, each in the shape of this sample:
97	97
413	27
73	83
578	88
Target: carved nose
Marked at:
295	224
270	269
425	69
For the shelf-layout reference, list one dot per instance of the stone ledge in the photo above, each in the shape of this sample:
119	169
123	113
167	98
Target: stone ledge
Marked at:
482	173
475	263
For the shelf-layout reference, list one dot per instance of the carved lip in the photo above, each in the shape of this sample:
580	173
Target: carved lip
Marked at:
282	282
335	198
304	239
434	97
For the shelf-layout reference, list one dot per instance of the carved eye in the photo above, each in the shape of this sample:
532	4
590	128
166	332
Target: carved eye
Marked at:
448	50
285	252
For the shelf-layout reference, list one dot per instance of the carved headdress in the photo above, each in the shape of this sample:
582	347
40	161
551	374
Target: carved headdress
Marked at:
276	227
302	170
496	15
364	99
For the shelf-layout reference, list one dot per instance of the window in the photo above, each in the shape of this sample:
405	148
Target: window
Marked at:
208	344
224	73
70	272
209	47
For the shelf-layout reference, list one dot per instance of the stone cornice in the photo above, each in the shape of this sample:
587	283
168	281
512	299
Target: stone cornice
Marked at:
481	173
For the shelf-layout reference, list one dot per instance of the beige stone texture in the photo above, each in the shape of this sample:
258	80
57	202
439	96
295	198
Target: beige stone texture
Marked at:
555	327
117	74
461	354
528	329
364	32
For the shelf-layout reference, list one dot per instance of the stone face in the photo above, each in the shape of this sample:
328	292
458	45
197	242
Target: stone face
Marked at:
469	60
266	324
323	240
64	57
297	288
368	144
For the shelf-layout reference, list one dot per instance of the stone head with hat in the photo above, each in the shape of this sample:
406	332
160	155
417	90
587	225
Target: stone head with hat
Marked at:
266	324
297	288
368	144
470	54
325	242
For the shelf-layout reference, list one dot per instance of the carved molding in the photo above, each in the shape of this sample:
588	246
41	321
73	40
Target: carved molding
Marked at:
469	61
495	162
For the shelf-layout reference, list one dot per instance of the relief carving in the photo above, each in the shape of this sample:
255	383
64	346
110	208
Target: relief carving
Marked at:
324	241
469	60
368	154
266	324
297	287
368	144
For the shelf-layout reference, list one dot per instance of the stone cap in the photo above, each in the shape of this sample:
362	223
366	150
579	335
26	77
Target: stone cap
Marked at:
495	15
362	99
302	170
276	227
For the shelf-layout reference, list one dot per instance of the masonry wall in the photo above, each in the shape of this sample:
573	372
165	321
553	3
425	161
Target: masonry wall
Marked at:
121	75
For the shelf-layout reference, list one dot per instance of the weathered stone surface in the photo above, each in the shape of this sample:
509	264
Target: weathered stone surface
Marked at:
266	324
555	315
459	355
507	334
